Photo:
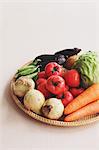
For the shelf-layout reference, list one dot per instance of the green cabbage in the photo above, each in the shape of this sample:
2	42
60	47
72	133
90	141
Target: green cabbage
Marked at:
88	67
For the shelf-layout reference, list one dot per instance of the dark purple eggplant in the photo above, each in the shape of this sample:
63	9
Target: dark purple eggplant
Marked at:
68	52
46	57
60	57
44	60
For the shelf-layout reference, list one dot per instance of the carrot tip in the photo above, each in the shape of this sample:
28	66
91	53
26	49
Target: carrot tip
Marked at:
66	119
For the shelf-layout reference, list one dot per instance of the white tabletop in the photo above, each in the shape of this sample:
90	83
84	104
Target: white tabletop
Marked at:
27	30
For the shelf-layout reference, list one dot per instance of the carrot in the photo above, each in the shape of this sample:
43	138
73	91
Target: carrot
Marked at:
89	95
90	109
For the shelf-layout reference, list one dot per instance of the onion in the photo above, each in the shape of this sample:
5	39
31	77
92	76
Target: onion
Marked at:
22	85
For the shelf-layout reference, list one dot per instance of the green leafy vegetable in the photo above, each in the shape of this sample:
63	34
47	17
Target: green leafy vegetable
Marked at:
88	67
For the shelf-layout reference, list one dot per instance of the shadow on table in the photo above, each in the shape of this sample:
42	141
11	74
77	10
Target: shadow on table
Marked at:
11	104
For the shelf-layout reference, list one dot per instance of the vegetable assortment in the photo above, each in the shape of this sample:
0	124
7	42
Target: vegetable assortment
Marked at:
62	84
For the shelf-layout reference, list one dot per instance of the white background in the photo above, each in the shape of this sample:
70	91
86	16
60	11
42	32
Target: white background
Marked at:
27	29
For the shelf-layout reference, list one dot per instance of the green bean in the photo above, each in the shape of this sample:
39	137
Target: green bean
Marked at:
26	72
33	75
25	68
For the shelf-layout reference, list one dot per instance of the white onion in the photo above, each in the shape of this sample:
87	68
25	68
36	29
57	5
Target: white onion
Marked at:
22	85
53	108
33	100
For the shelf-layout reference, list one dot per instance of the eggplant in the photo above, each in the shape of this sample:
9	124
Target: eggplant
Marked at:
60	57
46	57
63	55
68	52
44	60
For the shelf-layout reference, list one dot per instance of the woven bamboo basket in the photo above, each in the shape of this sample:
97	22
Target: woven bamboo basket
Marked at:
84	121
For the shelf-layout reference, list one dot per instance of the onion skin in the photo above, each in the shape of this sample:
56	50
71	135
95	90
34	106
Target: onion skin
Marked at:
70	61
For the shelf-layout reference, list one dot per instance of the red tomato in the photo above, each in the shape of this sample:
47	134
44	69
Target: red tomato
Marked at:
55	84
53	69
72	78
42	88
66	97
76	91
42	74
66	88
63	72
40	81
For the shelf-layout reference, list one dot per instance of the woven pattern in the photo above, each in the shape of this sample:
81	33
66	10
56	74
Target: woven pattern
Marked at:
86	120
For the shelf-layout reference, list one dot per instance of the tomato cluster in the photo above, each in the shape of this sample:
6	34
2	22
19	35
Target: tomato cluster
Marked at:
57	82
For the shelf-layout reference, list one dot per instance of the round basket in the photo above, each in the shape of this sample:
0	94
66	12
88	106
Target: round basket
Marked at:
84	121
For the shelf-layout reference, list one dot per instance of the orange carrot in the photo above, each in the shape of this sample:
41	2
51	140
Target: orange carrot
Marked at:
89	109
89	95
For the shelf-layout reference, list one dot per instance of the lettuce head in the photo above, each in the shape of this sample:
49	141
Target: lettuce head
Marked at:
88	67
